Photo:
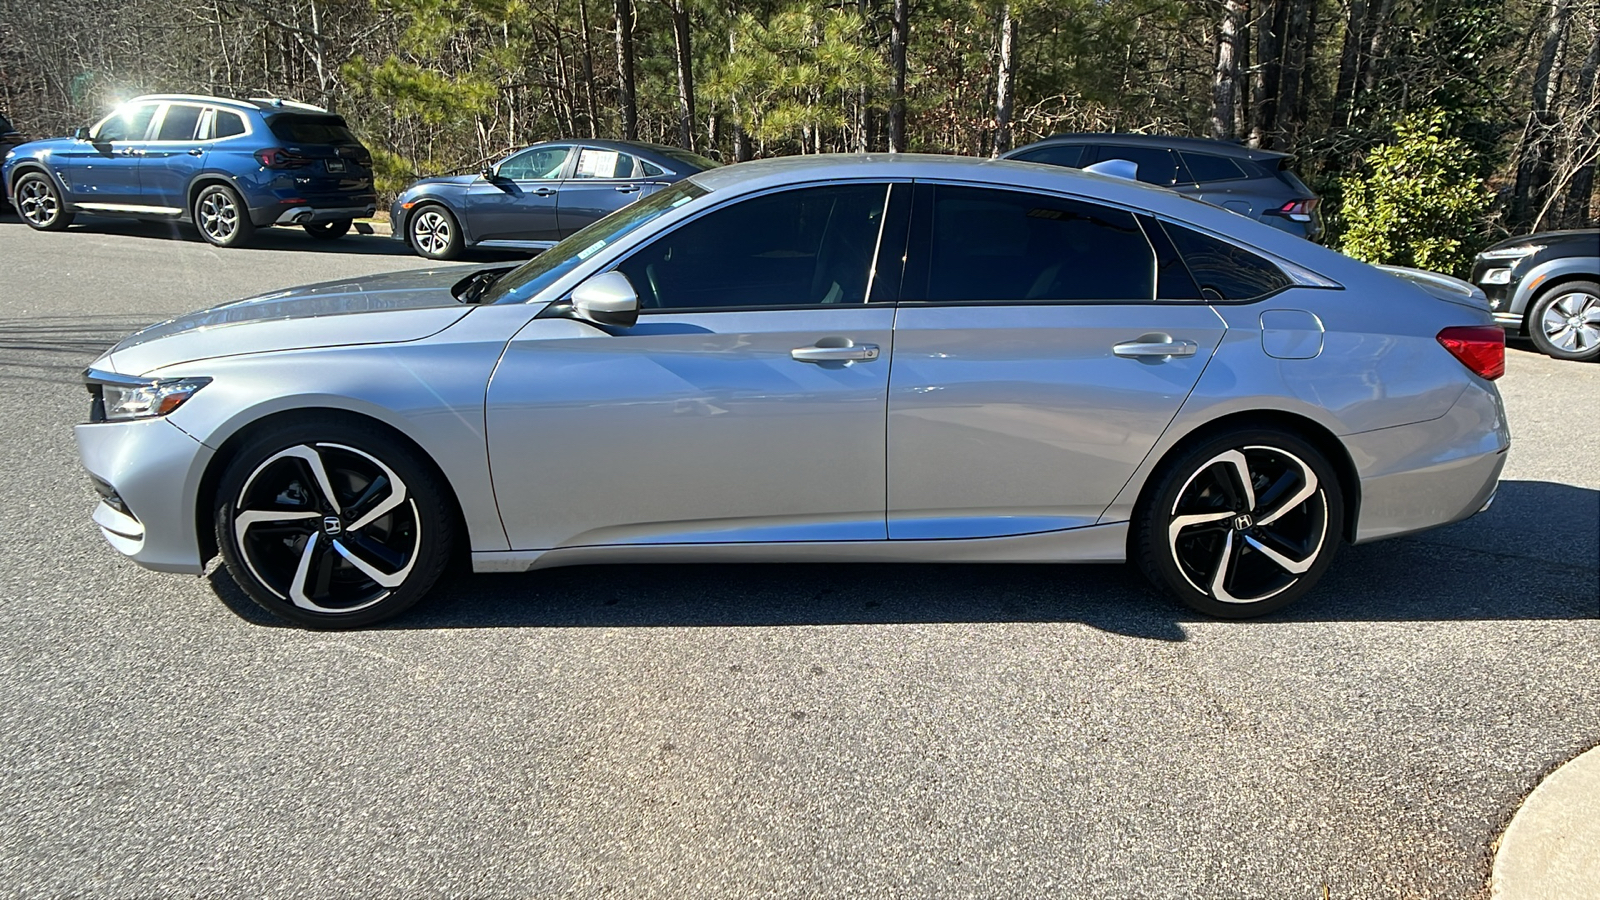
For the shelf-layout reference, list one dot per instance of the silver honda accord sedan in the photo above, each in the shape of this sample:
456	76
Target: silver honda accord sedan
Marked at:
865	358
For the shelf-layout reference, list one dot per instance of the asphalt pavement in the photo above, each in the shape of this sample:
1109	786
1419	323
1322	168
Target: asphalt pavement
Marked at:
750	731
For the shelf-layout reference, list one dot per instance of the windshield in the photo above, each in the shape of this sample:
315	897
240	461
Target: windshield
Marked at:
525	283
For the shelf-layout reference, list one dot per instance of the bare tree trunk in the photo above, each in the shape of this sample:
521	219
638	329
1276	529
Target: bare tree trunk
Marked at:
1224	82
1376	45
1533	164
1355	24
1005	94
1267	75
1586	143
1290	112
899	36
627	97
863	98
685	55
588	70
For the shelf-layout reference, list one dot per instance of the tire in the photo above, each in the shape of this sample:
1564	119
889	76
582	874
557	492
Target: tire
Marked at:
332	524
328	231
1235	553
222	217
1565	321
38	202
434	233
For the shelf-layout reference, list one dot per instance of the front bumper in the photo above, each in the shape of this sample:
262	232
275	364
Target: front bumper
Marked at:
153	470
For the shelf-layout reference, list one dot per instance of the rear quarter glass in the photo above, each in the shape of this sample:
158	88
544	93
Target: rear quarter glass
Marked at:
1287	176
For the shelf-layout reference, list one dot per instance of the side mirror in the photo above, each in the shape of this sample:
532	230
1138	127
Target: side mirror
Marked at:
606	299
81	134
487	171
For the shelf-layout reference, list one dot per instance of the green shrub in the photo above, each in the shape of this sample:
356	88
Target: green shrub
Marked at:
1423	203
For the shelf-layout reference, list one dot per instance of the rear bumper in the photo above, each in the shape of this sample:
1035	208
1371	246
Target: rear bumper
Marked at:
302	215
1420	476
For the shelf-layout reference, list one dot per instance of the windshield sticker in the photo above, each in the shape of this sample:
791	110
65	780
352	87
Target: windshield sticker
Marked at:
591	250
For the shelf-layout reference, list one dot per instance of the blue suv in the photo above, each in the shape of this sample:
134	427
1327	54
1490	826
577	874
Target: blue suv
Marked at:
228	166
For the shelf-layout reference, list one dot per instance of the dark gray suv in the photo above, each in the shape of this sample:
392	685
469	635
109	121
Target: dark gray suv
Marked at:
1254	183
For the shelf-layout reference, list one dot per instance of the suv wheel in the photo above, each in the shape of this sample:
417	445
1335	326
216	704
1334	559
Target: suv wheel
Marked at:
39	203
434	233
222	217
328	231
1565	322
1240	524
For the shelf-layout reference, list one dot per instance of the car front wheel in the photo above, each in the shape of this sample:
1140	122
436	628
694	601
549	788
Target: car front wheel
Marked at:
39	203
435	233
1241	524
1565	321
332	524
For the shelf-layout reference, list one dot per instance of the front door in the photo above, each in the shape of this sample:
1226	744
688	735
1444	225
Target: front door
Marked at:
1034	366
518	203
103	172
747	404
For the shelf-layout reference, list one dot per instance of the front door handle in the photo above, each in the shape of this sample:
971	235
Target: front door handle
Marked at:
1155	346
544	192
847	353
196	151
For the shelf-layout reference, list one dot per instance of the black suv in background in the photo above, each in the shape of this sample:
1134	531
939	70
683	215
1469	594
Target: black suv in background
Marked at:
1546	286
1254	183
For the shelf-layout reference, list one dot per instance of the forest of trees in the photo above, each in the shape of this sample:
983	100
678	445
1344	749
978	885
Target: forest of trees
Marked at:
1506	89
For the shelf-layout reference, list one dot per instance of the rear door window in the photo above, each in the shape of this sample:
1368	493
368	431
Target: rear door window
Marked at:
1157	165
595	163
1069	155
299	128
1224	271
981	244
1204	167
180	122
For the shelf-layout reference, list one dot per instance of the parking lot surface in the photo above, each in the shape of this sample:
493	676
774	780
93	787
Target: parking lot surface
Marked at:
750	731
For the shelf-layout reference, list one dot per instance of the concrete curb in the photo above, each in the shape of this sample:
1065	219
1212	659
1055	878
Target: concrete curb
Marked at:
1551	849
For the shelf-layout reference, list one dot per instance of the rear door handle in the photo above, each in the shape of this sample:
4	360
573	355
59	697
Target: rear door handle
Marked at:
627	188
1155	346
854	352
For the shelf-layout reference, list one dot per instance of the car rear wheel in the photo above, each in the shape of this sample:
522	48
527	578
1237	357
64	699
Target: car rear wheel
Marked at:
435	233
1565	321
328	231
332	525
221	216
1241	524
39	203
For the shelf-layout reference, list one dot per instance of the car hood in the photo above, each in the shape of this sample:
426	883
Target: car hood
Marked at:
1584	239
41	147
376	309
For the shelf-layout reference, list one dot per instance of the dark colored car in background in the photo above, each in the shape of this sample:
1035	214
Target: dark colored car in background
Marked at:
535	197
1546	286
1254	183
228	166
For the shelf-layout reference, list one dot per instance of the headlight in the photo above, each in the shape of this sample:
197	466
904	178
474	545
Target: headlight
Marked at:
1497	276
1512	252
120	398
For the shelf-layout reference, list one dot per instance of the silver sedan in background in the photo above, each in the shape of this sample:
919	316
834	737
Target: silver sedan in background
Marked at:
860	358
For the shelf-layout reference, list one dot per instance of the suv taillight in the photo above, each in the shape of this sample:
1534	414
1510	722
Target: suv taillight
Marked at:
1481	348
279	158
1296	210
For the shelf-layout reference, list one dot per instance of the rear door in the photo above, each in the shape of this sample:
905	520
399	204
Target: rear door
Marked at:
174	156
519	202
1034	365
602	182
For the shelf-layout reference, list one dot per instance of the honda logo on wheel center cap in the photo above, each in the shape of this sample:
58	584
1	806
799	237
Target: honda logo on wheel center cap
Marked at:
331	525
1241	522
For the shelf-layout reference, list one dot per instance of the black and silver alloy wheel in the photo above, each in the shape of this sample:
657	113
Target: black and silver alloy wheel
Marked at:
1242	525
327	533
39	203
435	234
1565	322
221	216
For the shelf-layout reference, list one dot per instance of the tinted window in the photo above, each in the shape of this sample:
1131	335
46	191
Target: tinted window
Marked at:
594	163
651	170
1156	165
794	248
179	123
1231	272
128	124
538	163
1205	167
312	129
227	124
1009	246
1070	155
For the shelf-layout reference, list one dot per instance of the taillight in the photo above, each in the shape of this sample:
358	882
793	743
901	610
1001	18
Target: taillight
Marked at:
1481	348
279	158
1297	210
